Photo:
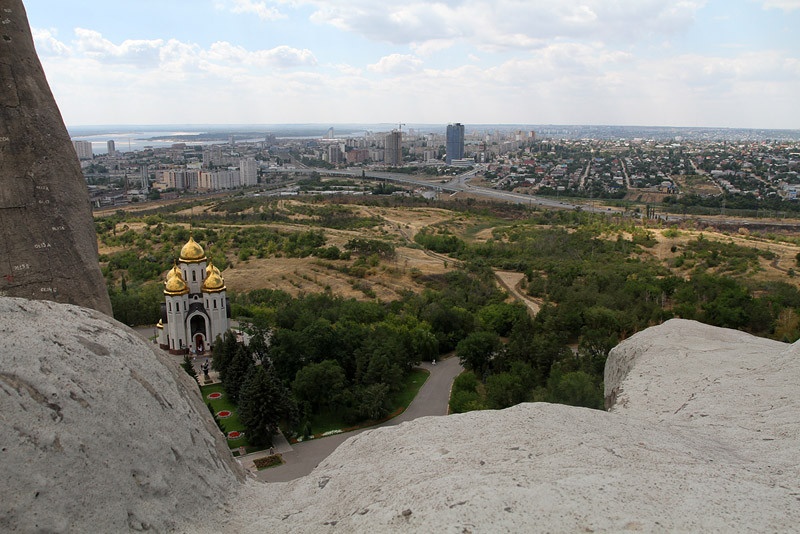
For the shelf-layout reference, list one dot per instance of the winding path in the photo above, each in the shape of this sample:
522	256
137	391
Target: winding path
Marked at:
301	458
511	282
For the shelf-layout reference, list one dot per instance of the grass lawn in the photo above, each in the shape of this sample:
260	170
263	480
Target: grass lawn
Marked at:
223	403
413	381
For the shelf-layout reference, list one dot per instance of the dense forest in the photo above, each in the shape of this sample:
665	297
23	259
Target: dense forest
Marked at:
591	273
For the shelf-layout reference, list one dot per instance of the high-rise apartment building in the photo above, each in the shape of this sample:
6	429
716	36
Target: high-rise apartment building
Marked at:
83	149
393	154
112	149
455	142
248	171
335	155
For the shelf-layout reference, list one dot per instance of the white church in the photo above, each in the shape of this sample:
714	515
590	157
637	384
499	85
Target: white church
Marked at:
196	308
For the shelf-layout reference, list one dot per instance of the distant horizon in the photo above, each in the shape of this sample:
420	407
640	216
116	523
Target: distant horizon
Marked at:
600	131
406	125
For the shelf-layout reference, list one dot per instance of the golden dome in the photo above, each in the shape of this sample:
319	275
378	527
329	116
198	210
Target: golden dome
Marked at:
160	324
175	284
174	272
192	252
214	282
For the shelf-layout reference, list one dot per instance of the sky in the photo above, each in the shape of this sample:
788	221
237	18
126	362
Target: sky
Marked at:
712	63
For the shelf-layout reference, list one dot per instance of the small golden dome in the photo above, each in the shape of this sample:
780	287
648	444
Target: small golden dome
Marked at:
214	282
192	252
175	284
160	324
174	272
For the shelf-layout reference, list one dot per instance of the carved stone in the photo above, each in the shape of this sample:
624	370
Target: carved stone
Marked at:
48	245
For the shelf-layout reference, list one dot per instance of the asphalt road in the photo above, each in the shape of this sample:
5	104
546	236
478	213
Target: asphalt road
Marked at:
431	400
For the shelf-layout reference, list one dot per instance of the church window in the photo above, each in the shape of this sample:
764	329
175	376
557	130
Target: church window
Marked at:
177	306
194	276
215	303
170	306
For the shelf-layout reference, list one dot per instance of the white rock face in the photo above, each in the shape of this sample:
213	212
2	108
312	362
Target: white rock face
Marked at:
703	438
99	432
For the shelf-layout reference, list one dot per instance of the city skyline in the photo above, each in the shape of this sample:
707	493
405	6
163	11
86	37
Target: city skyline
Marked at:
675	63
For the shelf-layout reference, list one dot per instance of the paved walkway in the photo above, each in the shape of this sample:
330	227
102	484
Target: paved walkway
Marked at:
301	458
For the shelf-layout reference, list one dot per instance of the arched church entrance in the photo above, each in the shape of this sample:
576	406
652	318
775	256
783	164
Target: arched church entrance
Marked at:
198	326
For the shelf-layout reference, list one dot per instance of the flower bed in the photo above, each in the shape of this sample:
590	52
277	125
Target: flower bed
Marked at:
236	434
224	414
268	461
214	396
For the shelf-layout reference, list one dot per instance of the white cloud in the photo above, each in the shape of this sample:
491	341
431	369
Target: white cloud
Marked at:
396	64
173	54
432	46
785	5
47	44
506	24
279	57
347	70
132	51
243	7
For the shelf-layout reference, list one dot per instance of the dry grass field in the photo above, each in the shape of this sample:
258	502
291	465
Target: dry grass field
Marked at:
390	278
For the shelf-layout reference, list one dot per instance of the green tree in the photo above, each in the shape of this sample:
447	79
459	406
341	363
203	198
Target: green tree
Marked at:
475	352
372	401
500	317
449	324
263	403
504	390
381	370
319	384
188	366
237	371
222	352
465	401
464	396
575	388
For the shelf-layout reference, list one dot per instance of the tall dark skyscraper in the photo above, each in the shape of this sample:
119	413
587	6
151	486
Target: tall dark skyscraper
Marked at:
455	142
394	148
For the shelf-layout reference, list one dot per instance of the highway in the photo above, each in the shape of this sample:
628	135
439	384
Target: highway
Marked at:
458	184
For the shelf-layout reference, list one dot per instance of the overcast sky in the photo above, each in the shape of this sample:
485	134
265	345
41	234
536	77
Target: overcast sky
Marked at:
727	63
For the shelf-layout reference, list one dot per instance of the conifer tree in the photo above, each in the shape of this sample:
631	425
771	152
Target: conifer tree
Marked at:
263	403
188	366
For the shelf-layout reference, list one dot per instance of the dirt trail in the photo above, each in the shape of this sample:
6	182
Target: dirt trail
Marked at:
511	282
